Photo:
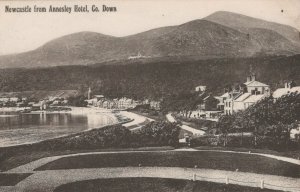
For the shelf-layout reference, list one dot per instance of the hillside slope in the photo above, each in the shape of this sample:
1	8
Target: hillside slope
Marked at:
157	79
243	23
207	38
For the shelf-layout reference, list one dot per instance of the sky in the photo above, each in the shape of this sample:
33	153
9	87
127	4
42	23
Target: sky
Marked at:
20	32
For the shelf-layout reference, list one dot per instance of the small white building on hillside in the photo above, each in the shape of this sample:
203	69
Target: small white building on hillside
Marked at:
200	88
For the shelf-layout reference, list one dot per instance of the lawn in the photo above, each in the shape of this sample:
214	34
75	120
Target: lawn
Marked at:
12	178
292	154
206	159
23	157
150	185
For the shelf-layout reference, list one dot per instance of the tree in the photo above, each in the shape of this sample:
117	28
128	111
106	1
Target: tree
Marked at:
78	101
225	125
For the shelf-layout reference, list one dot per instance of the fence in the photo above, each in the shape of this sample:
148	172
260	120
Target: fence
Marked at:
262	184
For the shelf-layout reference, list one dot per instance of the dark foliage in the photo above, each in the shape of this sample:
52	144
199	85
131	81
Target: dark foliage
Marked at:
198	123
271	122
115	136
77	101
154	80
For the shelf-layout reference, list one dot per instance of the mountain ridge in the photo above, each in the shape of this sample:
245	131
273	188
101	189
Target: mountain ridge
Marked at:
209	37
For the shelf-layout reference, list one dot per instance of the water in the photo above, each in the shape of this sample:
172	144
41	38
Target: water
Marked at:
16	129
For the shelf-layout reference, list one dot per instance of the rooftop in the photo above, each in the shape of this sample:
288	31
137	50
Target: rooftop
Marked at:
283	91
254	98
255	84
242	97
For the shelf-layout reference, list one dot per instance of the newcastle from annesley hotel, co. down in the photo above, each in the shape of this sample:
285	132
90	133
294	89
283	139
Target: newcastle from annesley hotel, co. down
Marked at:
61	9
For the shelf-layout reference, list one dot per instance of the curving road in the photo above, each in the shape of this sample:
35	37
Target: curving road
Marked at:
171	119
138	120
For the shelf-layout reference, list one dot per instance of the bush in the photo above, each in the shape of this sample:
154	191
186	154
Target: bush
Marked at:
245	141
115	136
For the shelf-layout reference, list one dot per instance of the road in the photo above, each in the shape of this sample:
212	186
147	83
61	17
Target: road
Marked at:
171	119
138	120
47	181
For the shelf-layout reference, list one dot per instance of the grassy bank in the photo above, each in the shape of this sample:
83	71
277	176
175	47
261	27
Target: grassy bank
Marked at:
292	154
155	134
209	160
12	179
150	185
24	157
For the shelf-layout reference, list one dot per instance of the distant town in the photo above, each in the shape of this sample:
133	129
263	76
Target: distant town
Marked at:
210	107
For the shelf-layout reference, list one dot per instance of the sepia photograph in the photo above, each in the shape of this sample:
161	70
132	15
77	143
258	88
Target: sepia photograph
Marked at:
149	95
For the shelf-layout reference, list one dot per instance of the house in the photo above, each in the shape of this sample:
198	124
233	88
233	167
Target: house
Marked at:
223	98
250	93
155	105
226	99
4	99
200	88
14	99
209	103
289	87
96	100
138	56
256	87
126	103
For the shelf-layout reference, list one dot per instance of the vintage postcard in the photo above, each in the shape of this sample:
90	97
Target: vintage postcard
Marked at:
149	95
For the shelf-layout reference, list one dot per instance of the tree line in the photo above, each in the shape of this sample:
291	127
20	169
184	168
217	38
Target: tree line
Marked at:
154	80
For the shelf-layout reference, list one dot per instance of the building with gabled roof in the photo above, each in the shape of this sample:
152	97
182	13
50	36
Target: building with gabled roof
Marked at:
241	100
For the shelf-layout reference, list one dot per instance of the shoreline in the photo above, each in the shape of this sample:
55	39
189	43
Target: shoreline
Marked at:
77	110
65	135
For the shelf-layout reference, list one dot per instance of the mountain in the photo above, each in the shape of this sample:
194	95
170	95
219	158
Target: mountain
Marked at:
247	24
212	37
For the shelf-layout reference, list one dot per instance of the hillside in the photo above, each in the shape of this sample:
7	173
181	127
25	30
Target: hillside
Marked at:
216	36
158	79
244	23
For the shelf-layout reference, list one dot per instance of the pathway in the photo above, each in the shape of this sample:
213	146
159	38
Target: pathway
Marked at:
138	120
47	181
171	119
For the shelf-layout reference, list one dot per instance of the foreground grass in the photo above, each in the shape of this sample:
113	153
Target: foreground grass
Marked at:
24	157
150	185
12	179
206	159
292	154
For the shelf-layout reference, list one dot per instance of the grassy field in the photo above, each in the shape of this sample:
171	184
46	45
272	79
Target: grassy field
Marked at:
24	157
293	154
210	160
150	185
12	179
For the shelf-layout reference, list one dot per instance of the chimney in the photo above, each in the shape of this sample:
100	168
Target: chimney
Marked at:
89	93
253	77
248	78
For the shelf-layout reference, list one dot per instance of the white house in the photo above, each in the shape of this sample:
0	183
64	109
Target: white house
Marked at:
241	100
256	87
289	87
200	88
